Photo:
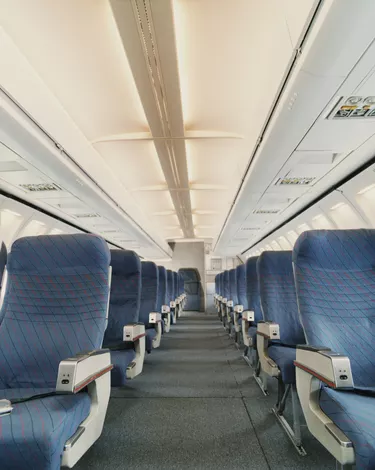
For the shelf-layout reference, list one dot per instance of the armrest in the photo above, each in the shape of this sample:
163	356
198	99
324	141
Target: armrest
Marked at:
5	407
248	315
268	330
154	317
172	304
224	300
329	367
238	308
75	373
219	298
230	303
165	309
133	332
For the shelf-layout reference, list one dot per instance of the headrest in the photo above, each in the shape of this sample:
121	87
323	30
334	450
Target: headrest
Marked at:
336	249
275	263
149	270
56	253
125	262
232	275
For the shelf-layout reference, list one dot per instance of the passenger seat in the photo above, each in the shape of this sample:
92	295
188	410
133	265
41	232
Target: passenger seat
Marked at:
279	335
54	317
125	336
335	283
148	314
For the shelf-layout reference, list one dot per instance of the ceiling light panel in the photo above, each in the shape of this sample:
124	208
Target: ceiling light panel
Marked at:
84	37
135	163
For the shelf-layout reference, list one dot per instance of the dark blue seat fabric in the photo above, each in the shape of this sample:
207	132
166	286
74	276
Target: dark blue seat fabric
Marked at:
252	334
123	307
226	285
50	422
175	285
56	291
252	290
335	284
162	288
284	357
125	295
149	298
170	289
241	286
279	304
121	359
150	335
181	289
54	307
355	416
233	286
149	292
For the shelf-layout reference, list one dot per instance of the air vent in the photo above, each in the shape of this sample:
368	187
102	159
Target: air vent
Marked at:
266	211
42	187
250	228
109	231
296	181
91	215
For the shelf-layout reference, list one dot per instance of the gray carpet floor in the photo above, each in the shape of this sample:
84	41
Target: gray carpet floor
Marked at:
196	406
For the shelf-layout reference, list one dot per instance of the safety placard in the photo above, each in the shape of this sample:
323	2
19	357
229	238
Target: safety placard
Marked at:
354	107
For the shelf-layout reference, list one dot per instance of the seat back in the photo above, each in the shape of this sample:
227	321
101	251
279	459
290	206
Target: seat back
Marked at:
170	288
226	287
149	291
55	306
221	284
125	295
233	286
181	284
252	288
335	284
175	285
241	285
162	288
278	298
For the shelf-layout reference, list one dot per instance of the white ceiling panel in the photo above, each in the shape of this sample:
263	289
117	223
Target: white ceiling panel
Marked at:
75	47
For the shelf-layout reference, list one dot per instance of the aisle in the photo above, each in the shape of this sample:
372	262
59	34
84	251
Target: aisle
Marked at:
195	407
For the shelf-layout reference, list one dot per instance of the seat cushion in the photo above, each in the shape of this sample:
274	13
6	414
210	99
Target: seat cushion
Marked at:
355	415
120	360
284	358
34	434
150	335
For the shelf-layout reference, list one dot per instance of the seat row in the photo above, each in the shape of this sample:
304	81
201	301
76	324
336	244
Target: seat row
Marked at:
307	319
76	319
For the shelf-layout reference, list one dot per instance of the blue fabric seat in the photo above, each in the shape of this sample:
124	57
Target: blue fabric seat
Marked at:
170	292
150	336
162	293
355	415
335	282
252	291
50	421
149	299
121	360
123	310
284	358
54	307
279	304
